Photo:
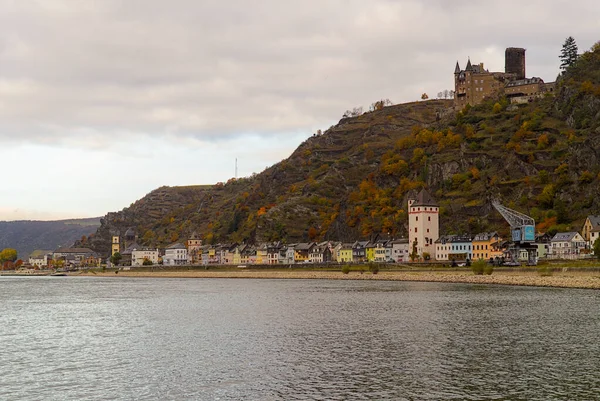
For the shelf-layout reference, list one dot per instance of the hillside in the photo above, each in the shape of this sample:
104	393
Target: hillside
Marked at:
26	236
353	180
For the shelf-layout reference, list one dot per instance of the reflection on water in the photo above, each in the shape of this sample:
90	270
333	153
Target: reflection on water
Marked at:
119	338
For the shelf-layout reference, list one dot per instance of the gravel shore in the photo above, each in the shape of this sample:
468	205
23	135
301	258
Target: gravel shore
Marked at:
590	280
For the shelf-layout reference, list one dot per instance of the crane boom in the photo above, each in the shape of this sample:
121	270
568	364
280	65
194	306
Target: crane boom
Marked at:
514	218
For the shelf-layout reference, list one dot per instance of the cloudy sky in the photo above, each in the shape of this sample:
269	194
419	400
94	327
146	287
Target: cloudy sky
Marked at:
103	101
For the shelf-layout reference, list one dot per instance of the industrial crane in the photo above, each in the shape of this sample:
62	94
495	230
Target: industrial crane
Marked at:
522	229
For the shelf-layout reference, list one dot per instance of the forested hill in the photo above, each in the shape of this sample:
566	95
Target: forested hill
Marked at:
353	180
28	235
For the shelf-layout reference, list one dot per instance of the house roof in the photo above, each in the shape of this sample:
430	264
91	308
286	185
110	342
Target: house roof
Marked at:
130	248
453	238
564	236
485	236
304	246
594	220
39	253
424	199
177	245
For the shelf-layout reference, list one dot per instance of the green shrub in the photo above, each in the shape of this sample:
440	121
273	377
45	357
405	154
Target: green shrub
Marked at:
373	268
345	269
478	267
488	269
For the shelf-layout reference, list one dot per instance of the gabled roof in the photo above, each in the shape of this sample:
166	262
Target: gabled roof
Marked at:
177	245
304	246
39	253
564	236
485	236
594	220
130	248
424	199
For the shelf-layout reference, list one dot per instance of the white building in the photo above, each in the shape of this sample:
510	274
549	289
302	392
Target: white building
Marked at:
175	254
40	258
567	245
138	256
400	250
423	224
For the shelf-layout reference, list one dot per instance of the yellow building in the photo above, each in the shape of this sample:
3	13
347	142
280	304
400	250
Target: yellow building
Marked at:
345	253
486	246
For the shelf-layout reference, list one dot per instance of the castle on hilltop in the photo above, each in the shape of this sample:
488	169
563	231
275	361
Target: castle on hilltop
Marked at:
473	84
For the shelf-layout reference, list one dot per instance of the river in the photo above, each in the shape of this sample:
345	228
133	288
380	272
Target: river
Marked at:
76	338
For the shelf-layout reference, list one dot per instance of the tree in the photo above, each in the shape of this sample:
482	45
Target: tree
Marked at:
116	258
596	248
8	255
424	96
568	53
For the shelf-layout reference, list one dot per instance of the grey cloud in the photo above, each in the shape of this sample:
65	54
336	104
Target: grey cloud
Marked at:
213	68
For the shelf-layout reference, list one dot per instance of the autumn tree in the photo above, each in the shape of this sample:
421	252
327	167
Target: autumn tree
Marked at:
424	96
568	53
8	255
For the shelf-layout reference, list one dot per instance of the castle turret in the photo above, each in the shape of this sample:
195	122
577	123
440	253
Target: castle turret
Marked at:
457	69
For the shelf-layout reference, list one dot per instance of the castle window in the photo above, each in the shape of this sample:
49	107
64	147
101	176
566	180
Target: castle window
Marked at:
417	217
429	218
415	229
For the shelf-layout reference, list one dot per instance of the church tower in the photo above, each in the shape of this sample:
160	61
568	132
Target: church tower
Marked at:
115	246
423	224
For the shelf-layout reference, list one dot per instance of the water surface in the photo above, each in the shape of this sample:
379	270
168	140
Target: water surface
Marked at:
74	338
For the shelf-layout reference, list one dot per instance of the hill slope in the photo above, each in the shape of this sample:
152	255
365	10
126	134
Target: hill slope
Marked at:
26	236
353	181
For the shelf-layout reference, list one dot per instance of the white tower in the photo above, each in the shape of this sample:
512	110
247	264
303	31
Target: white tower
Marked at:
423	224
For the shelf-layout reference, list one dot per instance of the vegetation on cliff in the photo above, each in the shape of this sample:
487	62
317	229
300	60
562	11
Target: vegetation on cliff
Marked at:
353	180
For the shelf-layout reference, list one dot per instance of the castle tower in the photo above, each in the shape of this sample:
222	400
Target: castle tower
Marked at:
423	224
514	62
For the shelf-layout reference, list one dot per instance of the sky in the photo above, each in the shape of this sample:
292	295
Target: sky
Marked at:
103	101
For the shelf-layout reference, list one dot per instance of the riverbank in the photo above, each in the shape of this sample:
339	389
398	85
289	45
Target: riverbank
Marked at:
560	279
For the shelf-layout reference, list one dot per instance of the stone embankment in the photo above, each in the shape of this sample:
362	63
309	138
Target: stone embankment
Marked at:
579	279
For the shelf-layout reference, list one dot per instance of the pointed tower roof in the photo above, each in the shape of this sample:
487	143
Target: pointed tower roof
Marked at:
457	68
194	236
424	199
469	66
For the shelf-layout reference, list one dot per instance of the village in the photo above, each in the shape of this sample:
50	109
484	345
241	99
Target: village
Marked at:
423	245
424	242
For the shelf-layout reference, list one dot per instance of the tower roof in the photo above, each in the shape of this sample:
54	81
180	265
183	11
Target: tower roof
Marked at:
469	66
457	68
424	199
